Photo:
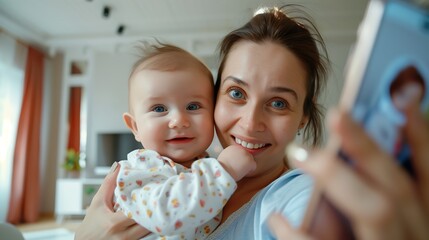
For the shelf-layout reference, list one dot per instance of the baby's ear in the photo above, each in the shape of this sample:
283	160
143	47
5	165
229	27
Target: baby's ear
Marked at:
131	124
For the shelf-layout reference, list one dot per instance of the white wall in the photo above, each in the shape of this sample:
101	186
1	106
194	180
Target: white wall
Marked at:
338	52
338	49
108	98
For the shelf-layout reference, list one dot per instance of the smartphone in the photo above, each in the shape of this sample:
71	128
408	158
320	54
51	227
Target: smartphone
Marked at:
392	49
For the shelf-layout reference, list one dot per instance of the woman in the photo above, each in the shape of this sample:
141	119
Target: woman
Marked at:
269	80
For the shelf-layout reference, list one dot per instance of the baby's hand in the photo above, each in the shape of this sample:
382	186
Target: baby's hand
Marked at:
237	162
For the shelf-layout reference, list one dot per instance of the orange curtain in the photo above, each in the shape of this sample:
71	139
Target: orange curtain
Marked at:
74	119
25	190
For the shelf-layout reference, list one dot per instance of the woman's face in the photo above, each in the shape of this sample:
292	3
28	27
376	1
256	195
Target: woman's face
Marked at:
260	101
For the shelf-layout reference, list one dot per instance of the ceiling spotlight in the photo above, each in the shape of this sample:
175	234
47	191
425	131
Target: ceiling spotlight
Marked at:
106	11
120	29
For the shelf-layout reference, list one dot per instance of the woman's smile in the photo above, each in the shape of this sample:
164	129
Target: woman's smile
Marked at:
252	147
248	144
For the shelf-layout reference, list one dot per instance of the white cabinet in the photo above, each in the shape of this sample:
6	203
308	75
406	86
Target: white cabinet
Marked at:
73	195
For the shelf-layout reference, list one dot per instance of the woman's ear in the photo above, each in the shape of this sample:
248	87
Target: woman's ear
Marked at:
303	122
131	124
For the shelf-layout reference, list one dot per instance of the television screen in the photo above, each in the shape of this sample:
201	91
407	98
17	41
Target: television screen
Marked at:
113	147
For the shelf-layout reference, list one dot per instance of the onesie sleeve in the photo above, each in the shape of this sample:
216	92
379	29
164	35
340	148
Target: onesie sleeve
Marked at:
168	201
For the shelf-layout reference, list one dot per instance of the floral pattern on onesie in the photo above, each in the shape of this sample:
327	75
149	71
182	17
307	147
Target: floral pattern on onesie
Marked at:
170	200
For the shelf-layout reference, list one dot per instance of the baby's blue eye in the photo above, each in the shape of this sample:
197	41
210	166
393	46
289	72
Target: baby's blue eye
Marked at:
278	104
193	107
159	109
236	94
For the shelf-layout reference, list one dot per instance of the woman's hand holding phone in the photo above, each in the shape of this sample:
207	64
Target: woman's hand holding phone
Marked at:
380	199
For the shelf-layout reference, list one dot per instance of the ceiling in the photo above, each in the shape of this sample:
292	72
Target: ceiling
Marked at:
198	24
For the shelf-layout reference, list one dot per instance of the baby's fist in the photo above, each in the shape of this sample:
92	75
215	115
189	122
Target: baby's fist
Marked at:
237	161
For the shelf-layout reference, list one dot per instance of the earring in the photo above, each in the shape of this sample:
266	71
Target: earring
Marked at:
299	129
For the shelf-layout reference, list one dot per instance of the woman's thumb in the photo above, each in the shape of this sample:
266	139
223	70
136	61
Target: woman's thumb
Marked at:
108	186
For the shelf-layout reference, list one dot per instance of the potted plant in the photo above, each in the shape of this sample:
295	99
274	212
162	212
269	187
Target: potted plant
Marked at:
71	164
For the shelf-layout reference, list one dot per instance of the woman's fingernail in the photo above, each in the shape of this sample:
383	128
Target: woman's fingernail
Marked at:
295	152
113	167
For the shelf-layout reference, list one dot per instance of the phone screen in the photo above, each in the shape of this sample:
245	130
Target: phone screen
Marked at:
400	55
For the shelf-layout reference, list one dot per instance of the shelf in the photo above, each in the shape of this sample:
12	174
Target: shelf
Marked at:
74	195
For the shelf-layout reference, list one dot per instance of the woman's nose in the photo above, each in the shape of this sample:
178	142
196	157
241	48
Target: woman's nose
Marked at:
179	120
252	120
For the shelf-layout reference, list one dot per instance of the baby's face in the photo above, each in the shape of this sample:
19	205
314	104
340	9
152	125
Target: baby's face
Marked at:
173	111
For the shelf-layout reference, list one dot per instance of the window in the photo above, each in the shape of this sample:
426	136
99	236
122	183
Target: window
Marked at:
11	89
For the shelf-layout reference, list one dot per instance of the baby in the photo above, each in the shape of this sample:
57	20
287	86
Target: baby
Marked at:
171	187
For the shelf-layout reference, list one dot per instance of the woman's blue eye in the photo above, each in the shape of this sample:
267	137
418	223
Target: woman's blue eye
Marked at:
159	109
236	94
278	104
193	107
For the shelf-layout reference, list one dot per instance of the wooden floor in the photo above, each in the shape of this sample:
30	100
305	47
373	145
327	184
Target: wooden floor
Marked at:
48	221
